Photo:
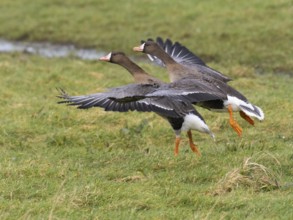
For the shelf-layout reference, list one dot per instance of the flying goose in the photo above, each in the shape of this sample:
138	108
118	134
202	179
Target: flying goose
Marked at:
233	100
177	110
185	57
171	101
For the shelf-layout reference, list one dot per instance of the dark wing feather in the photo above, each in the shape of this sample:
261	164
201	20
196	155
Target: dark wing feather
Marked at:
155	59
178	52
164	106
160	42
168	46
169	106
191	89
205	70
185	57
131	92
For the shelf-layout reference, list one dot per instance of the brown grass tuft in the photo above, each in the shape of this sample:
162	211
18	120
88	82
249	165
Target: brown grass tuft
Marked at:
250	175
134	178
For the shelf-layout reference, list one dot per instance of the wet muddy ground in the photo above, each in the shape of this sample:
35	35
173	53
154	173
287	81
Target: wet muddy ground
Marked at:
49	50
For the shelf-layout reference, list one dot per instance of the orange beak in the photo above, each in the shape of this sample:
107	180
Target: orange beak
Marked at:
106	58
139	48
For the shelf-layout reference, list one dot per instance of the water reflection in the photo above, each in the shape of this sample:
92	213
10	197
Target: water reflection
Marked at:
49	50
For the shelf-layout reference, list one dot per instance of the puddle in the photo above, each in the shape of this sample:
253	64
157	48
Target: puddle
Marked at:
49	50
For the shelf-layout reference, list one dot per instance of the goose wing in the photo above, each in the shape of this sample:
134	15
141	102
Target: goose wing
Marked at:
189	89
185	57
178	52
166	106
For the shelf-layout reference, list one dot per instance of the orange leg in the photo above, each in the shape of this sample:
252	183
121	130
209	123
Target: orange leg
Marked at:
192	145
177	142
233	123
246	117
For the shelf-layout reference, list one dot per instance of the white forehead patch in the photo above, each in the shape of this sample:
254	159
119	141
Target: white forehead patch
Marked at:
142	46
109	56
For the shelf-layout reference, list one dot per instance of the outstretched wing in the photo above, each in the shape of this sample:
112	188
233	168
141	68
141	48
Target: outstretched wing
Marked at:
165	106
185	57
178	52
189	89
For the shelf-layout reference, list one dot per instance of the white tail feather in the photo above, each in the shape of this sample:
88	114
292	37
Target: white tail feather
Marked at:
255	112
249	109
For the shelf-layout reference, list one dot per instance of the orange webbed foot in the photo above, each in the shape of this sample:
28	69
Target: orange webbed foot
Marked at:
246	117
177	142
233	123
236	127
193	147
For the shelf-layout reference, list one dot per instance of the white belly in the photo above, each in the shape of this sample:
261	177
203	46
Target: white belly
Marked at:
235	102
193	122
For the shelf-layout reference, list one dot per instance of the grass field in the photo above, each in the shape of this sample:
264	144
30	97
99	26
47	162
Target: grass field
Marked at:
58	162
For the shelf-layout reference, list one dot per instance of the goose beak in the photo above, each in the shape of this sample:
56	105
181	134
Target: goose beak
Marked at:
139	48
106	58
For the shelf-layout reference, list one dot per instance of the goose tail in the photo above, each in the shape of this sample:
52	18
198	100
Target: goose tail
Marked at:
253	111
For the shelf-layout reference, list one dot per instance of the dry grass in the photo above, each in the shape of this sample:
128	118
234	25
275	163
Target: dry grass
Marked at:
61	163
250	174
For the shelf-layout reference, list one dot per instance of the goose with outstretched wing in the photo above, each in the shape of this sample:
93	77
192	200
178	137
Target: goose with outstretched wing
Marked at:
232	101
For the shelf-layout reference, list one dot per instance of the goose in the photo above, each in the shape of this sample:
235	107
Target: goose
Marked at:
185	57
139	75
233	101
177	110
181	87
151	94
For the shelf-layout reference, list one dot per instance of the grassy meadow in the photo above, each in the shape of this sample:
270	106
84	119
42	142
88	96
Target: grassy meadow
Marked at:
58	162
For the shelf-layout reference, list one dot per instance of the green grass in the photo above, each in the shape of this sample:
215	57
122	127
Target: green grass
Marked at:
57	162
255	33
